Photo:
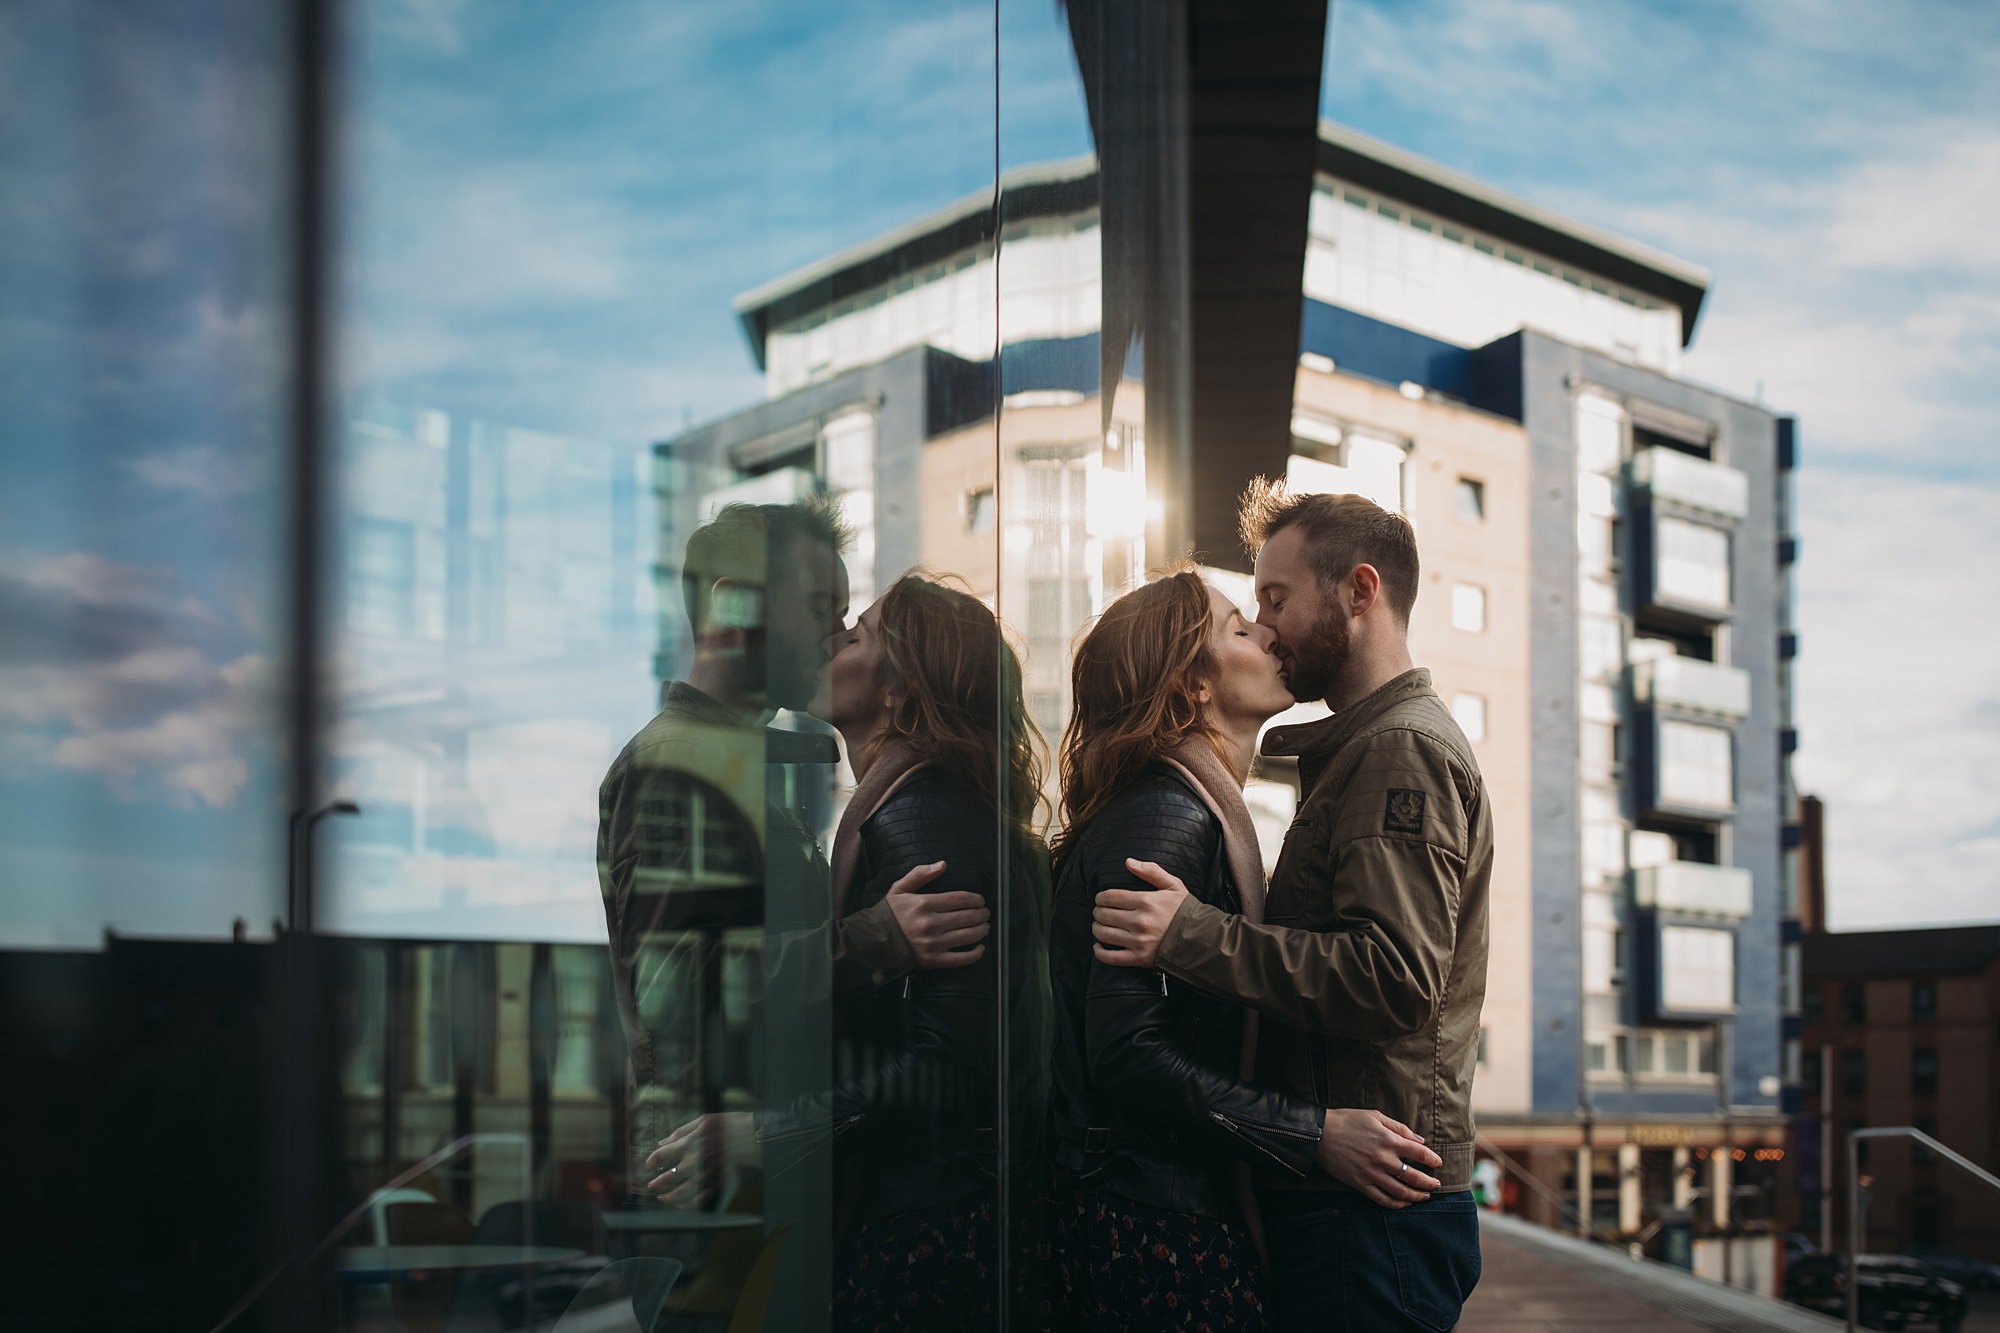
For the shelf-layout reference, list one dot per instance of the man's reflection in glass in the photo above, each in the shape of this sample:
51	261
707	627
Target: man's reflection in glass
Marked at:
725	953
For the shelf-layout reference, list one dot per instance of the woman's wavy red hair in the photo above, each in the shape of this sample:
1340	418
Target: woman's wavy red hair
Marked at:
957	688
1135	694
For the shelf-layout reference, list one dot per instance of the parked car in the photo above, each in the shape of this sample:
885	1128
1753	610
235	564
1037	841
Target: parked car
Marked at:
1798	1246
1968	1271
1896	1291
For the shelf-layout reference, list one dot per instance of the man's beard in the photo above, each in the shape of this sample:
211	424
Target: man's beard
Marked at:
1314	662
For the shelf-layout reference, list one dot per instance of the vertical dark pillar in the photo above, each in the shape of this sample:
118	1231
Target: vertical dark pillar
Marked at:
395	974
305	1138
541	1055
1206	116
1252	142
1133	58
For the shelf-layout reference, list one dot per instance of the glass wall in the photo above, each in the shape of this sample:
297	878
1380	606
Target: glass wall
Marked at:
566	820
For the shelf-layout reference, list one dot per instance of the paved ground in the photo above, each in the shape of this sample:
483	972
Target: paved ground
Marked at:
1984	1316
1532	1281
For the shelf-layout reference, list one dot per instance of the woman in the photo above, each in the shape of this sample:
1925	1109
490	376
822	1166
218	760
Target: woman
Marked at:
1151	1107
927	697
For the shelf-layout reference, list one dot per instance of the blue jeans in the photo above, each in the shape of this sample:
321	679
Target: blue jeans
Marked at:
1341	1264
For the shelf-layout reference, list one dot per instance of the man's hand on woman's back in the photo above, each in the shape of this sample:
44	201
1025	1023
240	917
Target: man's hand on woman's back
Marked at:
1130	923
944	929
1380	1157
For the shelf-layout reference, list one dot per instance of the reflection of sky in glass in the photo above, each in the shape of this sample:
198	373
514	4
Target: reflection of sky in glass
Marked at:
549	214
140	487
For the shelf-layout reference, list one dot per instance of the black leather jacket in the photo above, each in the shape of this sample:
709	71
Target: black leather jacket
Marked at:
911	1109
1147	1101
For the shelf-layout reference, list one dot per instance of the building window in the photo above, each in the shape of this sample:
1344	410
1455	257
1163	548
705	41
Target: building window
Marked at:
1697	766
1813	1006
1853	1003
1470	711
1924	1071
1923	1002
1693	564
1469	500
1468	608
1674	1055
1810	1071
382	584
979	510
1642	1054
1854	1072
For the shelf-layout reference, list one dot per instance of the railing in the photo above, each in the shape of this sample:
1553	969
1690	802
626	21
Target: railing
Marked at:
1584	1227
1855	1229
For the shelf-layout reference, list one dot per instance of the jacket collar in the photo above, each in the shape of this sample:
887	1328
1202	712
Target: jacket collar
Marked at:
1330	733
780	746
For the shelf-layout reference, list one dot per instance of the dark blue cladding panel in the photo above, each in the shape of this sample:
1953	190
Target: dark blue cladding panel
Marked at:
1368	347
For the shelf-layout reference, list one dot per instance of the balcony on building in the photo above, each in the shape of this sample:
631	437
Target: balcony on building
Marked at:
1690	685
1688	887
1683	768
1684	511
1682	480
1688	915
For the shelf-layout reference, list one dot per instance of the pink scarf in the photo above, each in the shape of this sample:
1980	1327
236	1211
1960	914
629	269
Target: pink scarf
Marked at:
894	765
1222	792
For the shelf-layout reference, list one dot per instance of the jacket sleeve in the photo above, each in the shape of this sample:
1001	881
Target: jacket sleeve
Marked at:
1396	873
863	951
947	1061
1134	1050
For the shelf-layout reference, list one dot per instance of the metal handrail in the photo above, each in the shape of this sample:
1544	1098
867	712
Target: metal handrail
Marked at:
1584	1228
1854	1227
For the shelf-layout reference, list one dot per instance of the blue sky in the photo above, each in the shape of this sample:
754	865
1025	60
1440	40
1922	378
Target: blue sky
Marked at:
549	209
1836	165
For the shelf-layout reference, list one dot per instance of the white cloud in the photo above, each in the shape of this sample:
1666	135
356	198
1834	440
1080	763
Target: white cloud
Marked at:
111	669
1935	209
1899	699
206	471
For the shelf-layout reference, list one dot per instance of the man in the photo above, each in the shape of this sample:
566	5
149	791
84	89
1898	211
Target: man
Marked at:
1372	955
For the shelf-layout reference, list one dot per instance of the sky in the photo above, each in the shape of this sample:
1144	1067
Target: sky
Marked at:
1835	164
546	212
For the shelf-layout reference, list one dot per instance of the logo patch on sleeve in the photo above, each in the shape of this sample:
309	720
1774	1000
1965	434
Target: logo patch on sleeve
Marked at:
1405	813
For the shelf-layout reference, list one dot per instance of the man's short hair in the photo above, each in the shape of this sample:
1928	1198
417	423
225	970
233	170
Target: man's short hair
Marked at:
745	541
1340	532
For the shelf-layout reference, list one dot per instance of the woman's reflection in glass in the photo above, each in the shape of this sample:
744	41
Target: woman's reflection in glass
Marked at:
926	694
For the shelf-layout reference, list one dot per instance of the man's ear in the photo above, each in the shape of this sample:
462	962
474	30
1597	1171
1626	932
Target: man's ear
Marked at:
1364	589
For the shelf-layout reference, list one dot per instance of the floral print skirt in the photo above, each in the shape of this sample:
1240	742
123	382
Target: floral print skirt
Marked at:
931	1269
1129	1266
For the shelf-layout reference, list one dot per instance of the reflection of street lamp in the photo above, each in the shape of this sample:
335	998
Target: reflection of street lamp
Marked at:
298	883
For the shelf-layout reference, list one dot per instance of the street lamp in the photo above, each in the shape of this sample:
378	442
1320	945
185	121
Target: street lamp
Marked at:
298	882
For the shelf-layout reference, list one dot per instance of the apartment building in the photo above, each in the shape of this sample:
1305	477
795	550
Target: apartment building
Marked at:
1606	603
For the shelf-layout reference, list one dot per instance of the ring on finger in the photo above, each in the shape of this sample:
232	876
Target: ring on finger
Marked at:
1401	1169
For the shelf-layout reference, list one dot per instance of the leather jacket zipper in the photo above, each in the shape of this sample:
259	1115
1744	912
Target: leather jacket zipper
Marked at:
1238	1130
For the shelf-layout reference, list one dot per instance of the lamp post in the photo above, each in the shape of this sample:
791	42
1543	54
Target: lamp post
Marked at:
298	883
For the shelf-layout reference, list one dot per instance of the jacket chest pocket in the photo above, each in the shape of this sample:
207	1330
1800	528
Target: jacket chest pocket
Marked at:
1295	879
